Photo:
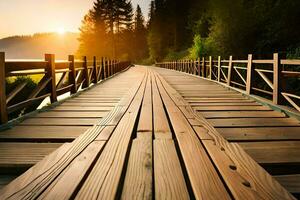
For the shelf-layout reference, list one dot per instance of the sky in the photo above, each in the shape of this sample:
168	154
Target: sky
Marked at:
25	17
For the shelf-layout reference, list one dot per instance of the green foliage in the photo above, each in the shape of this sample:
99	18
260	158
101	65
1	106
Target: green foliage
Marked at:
12	83
202	47
172	55
293	53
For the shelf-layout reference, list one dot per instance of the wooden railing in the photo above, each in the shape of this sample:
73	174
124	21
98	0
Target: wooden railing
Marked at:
268	78
74	74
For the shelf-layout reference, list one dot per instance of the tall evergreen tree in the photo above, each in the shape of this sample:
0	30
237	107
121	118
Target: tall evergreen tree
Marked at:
140	35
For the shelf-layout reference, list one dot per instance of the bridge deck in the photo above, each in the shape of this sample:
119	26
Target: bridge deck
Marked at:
167	135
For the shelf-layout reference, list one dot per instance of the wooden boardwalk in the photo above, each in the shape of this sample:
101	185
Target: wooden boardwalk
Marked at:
152	133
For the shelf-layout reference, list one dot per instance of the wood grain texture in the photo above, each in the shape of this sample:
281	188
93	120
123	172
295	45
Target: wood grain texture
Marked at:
138	179
105	175
169	180
75	172
205	181
245	168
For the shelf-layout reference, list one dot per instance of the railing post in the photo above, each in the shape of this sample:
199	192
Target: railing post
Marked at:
229	70
203	68
50	68
277	80
3	105
250	73
219	68
102	69
72	74
210	67
85	73
105	68
199	66
95	71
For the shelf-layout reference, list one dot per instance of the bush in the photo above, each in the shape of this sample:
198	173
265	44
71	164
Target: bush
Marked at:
11	84
202	47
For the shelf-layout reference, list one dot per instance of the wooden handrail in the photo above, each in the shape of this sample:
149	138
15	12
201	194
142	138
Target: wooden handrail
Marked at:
270	72
74	73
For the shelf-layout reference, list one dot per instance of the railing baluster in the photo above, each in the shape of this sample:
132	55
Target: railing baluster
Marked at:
229	71
219	68
250	73
72	74
277	80
85	73
50	69
95	71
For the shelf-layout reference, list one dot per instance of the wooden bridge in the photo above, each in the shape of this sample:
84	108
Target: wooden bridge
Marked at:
152	133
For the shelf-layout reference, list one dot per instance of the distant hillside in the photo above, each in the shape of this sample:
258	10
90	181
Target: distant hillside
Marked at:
35	46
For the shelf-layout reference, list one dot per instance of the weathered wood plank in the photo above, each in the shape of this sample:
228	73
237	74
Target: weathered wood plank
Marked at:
138	179
32	183
62	187
169	180
24	155
205	181
230	108
59	122
273	152
261	133
71	114
254	122
43	132
241	114
105	175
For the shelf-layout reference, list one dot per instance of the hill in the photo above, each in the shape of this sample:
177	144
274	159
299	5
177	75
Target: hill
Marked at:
35	46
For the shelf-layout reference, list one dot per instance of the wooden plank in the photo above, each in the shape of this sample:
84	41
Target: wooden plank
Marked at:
139	169
82	108
138	179
59	122
75	172
261	133
244	177
35	181
254	122
230	108
273	151
161	126
24	155
87	104
169	179
70	114
106	173
241	114
42	132
225	104
205	181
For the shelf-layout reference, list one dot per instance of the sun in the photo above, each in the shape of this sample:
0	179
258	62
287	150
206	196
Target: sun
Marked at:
61	31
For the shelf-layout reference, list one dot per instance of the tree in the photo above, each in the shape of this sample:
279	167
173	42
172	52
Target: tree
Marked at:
140	35
105	28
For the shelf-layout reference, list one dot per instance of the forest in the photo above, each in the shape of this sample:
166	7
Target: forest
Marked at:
190	29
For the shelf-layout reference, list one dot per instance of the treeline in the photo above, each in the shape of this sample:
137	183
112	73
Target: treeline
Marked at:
113	29
192	28
34	46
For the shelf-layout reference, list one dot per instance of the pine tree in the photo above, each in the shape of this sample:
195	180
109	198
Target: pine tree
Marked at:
140	35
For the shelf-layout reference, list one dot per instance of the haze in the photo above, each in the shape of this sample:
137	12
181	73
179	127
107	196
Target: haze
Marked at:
19	17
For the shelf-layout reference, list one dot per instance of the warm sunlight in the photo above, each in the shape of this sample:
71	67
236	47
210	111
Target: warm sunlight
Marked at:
61	31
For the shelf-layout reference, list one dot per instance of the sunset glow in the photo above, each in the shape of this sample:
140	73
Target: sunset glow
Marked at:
61	30
51	15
